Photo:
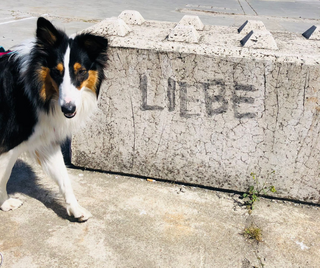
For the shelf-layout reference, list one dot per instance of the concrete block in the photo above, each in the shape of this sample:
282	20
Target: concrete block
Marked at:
192	20
183	33
252	25
131	17
313	33
259	39
208	113
110	27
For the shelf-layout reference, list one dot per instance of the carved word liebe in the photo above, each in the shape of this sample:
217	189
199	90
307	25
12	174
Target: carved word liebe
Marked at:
210	99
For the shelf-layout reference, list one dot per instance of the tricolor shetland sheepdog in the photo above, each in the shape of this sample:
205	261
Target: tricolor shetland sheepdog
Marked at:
48	87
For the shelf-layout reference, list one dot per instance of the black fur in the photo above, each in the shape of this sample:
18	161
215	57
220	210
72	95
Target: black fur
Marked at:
17	112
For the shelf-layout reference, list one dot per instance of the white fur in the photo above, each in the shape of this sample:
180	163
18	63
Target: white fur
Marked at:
68	93
51	160
7	161
55	127
22	52
43	145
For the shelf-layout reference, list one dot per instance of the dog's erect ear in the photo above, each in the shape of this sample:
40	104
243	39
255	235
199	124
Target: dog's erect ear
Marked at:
94	45
46	32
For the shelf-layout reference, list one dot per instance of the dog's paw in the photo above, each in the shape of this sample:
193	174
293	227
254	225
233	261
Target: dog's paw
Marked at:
11	204
80	213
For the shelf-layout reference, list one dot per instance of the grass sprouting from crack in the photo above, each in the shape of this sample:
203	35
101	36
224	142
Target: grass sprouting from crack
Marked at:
256	190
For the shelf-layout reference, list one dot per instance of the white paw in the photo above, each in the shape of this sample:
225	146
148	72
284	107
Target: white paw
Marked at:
11	204
78	212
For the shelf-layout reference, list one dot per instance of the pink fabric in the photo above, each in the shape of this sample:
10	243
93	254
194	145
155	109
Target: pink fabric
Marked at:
4	53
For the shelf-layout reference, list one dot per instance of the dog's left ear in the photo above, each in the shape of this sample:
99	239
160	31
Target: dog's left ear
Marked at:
94	45
47	33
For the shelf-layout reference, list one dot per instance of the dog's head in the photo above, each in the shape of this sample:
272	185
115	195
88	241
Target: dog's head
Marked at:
67	67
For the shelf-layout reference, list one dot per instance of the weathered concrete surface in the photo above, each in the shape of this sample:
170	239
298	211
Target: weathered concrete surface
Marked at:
137	223
208	113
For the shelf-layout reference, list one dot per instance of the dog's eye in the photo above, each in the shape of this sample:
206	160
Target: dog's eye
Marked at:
82	72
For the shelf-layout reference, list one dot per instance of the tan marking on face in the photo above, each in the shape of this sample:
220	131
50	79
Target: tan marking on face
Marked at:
49	86
77	66
91	81
60	67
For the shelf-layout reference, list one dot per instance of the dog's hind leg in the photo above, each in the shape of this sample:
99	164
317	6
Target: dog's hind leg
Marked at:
51	160
7	161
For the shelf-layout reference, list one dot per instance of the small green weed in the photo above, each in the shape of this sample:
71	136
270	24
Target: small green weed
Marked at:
256	190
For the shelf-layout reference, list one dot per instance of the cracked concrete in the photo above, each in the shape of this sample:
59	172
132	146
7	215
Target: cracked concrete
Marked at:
146	223
208	113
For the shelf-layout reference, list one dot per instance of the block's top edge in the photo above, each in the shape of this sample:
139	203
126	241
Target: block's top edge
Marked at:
110	27
131	17
193	21
252	25
259	39
213	40
184	33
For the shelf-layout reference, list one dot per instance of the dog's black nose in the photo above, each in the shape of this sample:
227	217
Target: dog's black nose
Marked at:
69	110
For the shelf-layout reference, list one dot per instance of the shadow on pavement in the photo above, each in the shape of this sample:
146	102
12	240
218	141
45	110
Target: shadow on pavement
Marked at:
25	181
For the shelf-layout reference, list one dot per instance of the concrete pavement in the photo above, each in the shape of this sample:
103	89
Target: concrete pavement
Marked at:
142	223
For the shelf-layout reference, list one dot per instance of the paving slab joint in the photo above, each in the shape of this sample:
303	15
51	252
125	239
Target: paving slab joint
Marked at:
132	17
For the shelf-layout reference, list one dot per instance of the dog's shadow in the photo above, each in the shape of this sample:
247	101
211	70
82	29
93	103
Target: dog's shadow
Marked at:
25	181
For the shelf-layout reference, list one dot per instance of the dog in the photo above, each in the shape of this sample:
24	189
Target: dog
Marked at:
48	87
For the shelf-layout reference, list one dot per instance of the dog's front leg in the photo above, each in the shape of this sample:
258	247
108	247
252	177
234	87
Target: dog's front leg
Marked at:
51	160
7	161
